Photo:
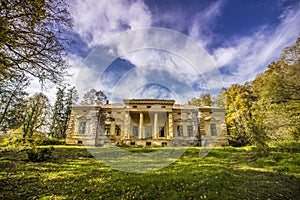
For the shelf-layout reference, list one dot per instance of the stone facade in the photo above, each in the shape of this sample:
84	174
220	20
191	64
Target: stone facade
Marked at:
146	122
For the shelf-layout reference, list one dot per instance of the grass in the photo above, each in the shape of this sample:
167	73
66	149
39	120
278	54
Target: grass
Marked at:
225	173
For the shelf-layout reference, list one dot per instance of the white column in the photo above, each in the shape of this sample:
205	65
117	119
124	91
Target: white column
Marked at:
141	125
155	125
170	122
126	125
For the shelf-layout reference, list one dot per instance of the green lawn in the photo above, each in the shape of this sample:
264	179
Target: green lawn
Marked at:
225	173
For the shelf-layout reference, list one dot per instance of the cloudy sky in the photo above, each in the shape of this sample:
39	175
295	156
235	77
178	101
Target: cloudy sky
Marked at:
175	49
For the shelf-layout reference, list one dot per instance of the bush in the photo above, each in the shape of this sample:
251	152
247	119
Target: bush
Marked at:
38	155
50	142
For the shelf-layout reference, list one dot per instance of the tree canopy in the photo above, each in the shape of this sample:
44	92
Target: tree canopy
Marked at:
267	109
29	42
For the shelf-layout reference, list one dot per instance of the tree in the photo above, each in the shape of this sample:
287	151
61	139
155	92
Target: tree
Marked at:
204	100
278	89
267	109
70	101
94	97
237	114
220	99
12	97
29	41
56	129
62	111
35	115
30	45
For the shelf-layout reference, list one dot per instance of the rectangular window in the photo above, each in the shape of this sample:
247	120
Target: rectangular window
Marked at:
190	130
82	127
179	131
148	144
134	106
161	131
148	132
213	129
132	143
135	131
107	129
148	106
118	130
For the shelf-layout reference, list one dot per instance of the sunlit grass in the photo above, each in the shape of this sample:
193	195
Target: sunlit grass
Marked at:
225	173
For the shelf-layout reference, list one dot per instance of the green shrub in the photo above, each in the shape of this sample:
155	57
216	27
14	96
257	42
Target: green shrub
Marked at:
50	142
39	155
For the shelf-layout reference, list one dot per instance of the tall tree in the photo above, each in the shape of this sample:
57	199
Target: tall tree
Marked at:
31	44
94	97
278	89
238	114
56	129
220	99
70	101
203	100
62	110
35	115
268	108
29	39
12	97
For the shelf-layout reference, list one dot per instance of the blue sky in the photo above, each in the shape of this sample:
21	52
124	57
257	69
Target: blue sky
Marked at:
240	38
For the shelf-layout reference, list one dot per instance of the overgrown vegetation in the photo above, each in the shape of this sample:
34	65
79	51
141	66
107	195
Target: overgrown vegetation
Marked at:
225	173
267	108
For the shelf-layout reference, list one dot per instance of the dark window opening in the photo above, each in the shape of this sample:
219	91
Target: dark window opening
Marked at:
213	129
163	106
148	144
118	130
132	143
161	131
190	130
134	106
164	144
79	142
179	131
148	106
107	129
135	131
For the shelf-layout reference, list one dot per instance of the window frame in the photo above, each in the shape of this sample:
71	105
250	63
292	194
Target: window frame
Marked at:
213	129
179	130
190	130
118	130
107	129
82	128
135	131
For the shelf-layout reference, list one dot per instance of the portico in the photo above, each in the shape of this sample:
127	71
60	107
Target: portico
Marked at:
152	117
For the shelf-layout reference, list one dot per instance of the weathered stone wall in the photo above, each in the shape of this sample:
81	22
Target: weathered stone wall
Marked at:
197	120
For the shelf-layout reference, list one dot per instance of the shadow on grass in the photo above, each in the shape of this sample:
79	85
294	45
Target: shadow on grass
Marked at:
225	173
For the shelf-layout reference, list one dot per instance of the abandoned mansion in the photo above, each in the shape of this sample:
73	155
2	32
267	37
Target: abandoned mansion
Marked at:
146	122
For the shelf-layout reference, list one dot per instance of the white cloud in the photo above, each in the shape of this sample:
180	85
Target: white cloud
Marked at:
248	56
203	23
97	20
178	61
161	56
